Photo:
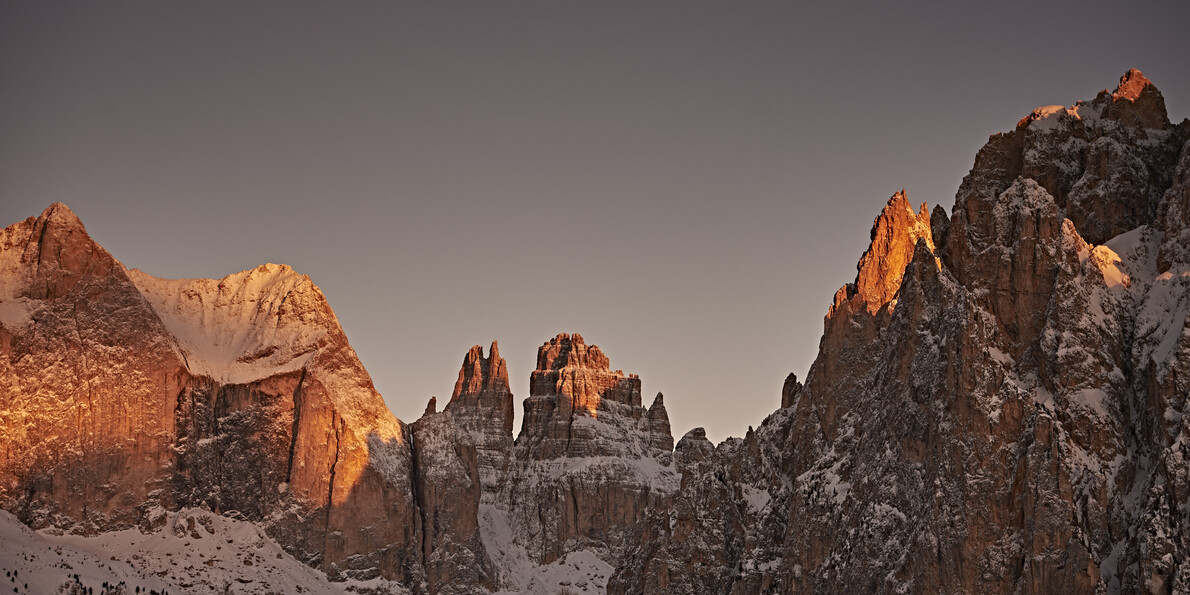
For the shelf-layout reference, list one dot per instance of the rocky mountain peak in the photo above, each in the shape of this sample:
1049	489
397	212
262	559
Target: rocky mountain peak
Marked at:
580	374
895	232
574	380
589	457
660	437
481	405
1132	83
569	351
1137	102
47	255
481	374
789	390
61	215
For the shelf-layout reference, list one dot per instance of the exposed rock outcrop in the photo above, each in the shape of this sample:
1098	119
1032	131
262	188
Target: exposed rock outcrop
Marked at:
448	488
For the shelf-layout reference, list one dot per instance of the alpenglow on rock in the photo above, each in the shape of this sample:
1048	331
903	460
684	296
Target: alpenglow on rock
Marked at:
589	459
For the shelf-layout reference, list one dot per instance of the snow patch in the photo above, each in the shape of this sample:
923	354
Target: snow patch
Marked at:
578	572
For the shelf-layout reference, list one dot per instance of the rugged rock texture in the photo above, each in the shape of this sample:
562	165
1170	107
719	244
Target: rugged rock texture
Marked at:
482	406
448	488
589	459
89	380
661	439
894	235
1005	415
571	386
120	392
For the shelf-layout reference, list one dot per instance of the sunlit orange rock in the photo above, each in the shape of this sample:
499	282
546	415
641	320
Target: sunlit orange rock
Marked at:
121	393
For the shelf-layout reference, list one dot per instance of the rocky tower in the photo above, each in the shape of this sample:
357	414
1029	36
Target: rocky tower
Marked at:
1009	420
571	386
482	405
589	459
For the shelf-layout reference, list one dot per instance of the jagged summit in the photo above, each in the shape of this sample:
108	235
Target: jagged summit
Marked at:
62	214
482	405
481	374
1014	421
1136	101
580	375
1132	84
570	351
894	234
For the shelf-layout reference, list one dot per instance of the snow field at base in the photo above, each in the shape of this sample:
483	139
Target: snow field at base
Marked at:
228	556
578	572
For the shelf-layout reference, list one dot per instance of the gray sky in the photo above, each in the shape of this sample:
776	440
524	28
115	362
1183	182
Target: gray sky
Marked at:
684	183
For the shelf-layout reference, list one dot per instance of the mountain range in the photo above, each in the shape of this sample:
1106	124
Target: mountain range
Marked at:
998	405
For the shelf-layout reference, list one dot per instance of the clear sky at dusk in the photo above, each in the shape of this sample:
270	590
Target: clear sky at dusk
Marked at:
685	184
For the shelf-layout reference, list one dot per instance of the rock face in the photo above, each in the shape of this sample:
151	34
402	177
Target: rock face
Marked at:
1000	412
482	405
89	380
447	473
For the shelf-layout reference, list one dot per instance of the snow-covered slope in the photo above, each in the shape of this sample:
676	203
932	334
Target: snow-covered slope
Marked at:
235	329
190	551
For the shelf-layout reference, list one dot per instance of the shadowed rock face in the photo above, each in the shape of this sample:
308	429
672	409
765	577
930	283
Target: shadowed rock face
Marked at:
448	487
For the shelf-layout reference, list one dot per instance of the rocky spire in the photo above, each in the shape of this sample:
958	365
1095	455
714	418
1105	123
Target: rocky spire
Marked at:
483	386
481	375
660	437
1137	102
790	390
894	234
482	405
